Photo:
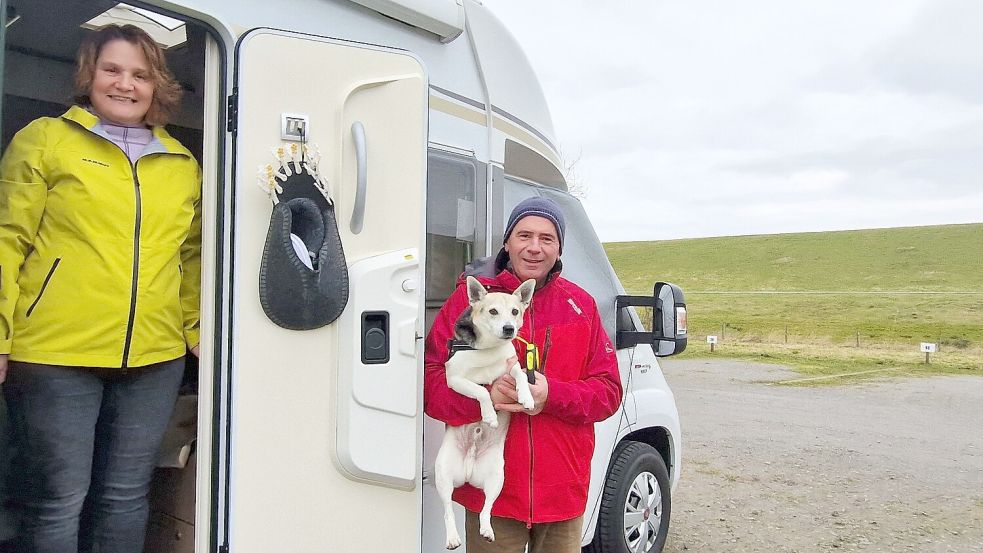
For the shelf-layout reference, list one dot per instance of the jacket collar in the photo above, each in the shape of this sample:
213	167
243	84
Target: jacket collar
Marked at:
161	143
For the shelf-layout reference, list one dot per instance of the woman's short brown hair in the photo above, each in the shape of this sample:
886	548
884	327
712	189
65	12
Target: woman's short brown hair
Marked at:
167	91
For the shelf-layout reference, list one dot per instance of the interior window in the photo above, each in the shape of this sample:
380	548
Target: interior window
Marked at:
455	222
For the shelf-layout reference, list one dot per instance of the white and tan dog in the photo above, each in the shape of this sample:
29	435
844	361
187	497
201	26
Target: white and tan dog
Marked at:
474	453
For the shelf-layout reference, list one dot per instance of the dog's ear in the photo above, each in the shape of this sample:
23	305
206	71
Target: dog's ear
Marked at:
476	291
525	290
464	327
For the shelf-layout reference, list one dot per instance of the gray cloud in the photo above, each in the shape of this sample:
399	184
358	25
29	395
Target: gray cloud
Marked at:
941	52
713	118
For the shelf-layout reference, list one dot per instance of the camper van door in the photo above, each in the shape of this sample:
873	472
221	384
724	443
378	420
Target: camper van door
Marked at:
325	443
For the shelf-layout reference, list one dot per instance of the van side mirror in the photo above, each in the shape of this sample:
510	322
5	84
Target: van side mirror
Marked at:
668	335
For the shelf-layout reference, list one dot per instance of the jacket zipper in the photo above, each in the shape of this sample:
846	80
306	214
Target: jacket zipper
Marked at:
136	248
136	266
532	451
532	455
44	286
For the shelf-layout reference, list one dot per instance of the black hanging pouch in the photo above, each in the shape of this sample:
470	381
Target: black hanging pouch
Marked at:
294	295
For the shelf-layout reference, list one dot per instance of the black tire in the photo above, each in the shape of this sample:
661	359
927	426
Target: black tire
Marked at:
637	470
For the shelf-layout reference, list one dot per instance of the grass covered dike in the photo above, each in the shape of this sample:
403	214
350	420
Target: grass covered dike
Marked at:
837	306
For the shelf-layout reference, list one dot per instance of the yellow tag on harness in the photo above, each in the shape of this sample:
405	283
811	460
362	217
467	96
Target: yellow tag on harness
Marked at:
532	359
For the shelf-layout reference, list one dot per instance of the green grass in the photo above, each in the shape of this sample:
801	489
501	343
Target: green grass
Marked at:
887	289
942	258
821	365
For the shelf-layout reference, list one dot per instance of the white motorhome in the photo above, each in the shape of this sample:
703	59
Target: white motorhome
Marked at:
431	125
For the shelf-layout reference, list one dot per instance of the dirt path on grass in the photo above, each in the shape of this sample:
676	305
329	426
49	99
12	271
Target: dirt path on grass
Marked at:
890	465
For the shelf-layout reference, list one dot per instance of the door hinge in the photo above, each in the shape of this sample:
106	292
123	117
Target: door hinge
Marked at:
232	110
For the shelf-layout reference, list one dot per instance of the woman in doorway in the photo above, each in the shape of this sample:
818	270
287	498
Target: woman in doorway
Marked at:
99	276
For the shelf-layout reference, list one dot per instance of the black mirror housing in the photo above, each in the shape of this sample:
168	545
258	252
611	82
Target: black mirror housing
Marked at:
669	330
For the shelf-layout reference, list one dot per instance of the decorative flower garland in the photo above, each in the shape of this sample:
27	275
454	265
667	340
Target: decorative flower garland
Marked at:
293	159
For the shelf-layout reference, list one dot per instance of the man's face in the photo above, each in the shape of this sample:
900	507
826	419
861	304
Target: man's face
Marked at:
533	248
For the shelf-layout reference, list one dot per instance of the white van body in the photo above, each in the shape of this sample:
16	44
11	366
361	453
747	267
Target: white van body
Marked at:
301	445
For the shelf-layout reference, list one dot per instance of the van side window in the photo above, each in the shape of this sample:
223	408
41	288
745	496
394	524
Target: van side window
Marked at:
455	222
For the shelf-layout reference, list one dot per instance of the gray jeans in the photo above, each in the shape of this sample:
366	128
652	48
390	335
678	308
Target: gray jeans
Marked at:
6	521
86	444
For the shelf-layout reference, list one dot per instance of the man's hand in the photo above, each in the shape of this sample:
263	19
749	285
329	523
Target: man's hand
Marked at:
505	387
3	367
194	351
539	390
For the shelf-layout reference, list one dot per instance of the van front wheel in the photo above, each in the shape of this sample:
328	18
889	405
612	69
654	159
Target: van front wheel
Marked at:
635	504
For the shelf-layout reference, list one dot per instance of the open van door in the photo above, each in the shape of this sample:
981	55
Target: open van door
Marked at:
324	440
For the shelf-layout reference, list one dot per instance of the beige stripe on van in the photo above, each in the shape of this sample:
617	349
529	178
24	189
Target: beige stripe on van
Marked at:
457	110
513	131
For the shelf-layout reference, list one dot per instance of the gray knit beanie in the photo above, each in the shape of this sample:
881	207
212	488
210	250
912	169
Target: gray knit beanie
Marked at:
540	207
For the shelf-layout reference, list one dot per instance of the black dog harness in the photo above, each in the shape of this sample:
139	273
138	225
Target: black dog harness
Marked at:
454	346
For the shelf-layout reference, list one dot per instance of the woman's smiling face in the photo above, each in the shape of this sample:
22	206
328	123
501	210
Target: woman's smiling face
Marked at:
122	87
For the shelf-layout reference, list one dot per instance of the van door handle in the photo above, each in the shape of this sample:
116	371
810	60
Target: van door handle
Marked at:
358	213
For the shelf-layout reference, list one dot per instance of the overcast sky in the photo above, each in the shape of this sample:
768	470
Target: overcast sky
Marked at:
712	118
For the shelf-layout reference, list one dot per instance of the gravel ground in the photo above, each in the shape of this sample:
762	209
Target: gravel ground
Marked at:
890	465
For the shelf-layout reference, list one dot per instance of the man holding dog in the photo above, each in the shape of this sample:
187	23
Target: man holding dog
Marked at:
548	449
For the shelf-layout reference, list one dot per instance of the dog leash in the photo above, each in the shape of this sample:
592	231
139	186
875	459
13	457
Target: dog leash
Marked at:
532	359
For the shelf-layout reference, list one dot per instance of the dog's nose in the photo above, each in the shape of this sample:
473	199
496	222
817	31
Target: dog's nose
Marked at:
508	331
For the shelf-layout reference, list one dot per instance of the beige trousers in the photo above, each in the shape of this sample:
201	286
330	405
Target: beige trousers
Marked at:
511	536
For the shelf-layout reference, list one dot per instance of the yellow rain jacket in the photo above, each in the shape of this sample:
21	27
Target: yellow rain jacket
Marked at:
100	260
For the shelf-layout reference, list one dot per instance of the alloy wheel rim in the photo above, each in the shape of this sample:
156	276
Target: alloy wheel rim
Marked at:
642	513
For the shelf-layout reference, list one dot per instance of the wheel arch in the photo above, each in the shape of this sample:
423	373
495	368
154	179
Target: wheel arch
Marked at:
660	439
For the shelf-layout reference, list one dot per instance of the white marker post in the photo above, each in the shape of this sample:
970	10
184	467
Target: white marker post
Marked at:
928	348
711	340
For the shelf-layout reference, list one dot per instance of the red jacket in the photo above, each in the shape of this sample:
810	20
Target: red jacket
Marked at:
547	456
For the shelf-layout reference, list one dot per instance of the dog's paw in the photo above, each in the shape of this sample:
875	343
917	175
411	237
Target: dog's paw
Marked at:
491	419
453	540
487	532
526	401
